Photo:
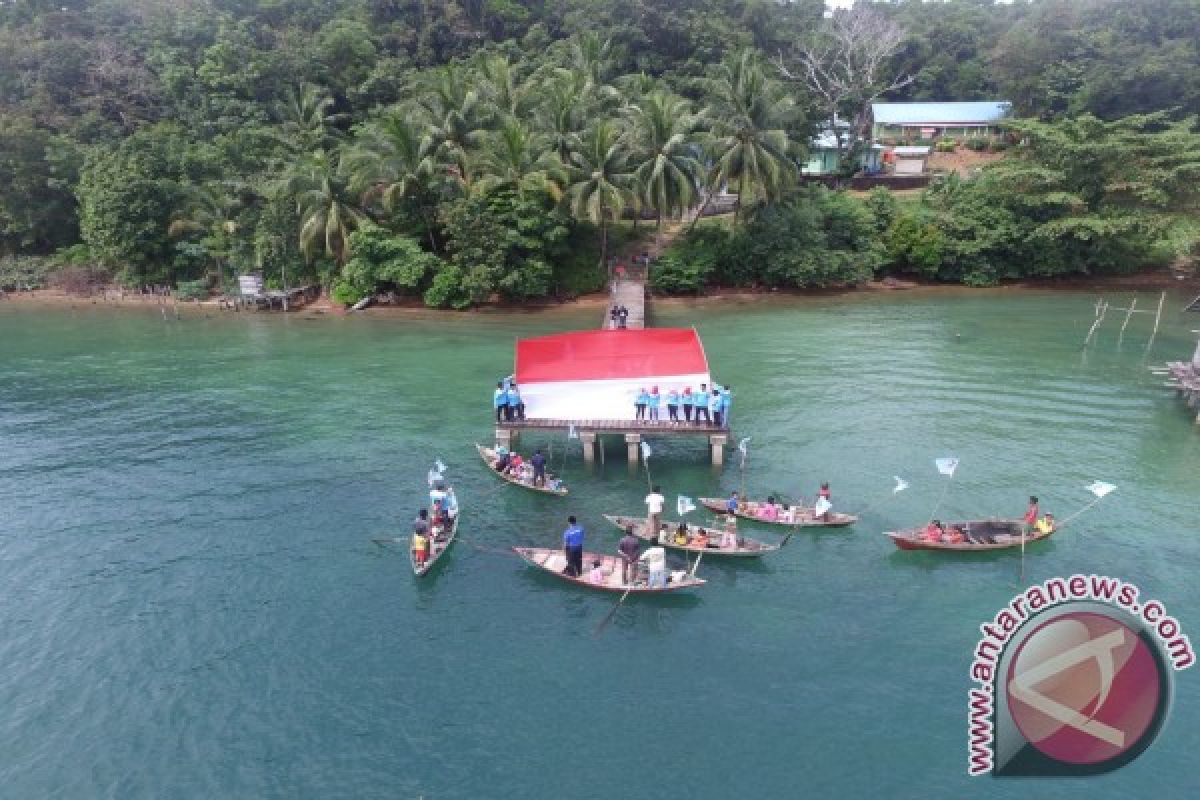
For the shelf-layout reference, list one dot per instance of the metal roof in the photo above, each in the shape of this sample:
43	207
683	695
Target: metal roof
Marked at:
911	150
940	113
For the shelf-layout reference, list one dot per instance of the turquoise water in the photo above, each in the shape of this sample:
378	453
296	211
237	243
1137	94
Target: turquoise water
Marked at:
193	606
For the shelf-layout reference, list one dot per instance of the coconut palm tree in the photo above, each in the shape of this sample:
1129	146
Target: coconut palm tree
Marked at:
666	152
750	113
307	120
562	113
211	211
328	213
458	119
601	179
394	160
516	157
501	87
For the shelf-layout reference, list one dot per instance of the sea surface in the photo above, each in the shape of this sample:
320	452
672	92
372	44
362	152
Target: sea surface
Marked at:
192	606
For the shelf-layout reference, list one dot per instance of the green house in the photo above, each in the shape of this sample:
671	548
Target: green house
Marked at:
823	157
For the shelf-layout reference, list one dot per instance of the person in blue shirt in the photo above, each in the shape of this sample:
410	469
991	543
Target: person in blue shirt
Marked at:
654	401
673	404
686	400
701	401
731	505
714	406
726	403
643	400
516	408
500	400
573	548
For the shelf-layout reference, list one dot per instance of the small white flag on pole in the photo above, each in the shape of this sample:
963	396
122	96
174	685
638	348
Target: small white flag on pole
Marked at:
645	451
822	505
684	504
1100	488
440	466
742	445
901	484
946	466
572	433
433	477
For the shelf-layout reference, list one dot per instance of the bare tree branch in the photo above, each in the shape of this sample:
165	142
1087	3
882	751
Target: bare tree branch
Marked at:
845	64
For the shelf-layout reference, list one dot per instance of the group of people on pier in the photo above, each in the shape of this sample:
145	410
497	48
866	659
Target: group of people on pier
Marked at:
704	406
507	401
619	315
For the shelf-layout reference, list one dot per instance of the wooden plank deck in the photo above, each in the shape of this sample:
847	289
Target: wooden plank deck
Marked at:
628	291
658	428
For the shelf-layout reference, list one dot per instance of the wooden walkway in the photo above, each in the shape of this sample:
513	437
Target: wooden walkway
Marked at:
629	291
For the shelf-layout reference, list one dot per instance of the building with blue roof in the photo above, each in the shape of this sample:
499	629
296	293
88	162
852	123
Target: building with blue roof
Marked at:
911	121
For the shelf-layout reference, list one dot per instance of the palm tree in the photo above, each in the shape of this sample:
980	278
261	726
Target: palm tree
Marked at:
667	152
211	211
306	120
592	56
562	112
327	213
750	113
501	87
458	119
600	179
518	158
393	159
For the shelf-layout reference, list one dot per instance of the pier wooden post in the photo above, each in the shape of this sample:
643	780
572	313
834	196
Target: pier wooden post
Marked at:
505	437
589	446
633	443
716	443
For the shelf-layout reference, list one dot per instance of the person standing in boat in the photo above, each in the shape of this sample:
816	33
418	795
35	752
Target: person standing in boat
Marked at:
686	401
673	405
628	548
1031	515
539	468
732	504
826	495
654	506
573	548
702	403
729	536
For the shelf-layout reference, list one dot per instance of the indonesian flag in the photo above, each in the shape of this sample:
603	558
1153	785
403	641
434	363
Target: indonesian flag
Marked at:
598	374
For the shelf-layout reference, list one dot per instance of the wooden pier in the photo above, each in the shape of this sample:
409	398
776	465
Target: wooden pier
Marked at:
507	433
628	290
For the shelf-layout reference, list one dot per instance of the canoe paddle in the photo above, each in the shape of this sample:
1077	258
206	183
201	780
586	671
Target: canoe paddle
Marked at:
604	622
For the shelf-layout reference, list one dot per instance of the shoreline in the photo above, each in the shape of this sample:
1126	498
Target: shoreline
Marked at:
1159	280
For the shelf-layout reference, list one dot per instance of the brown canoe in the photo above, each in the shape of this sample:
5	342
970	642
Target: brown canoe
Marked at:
489	457
982	535
437	547
554	561
806	519
747	548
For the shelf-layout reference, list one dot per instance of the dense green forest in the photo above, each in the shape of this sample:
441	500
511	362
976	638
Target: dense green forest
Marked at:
462	150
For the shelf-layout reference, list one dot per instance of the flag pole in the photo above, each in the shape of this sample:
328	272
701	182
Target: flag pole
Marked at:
945	491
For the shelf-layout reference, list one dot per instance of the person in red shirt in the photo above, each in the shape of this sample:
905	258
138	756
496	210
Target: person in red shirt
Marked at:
1031	515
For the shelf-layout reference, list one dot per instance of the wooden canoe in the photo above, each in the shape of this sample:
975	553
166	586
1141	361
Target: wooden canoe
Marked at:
748	548
982	535
807	518
489	457
437	548
554	561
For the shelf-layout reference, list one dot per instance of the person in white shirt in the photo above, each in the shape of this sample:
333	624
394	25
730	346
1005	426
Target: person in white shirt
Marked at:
654	507
656	563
